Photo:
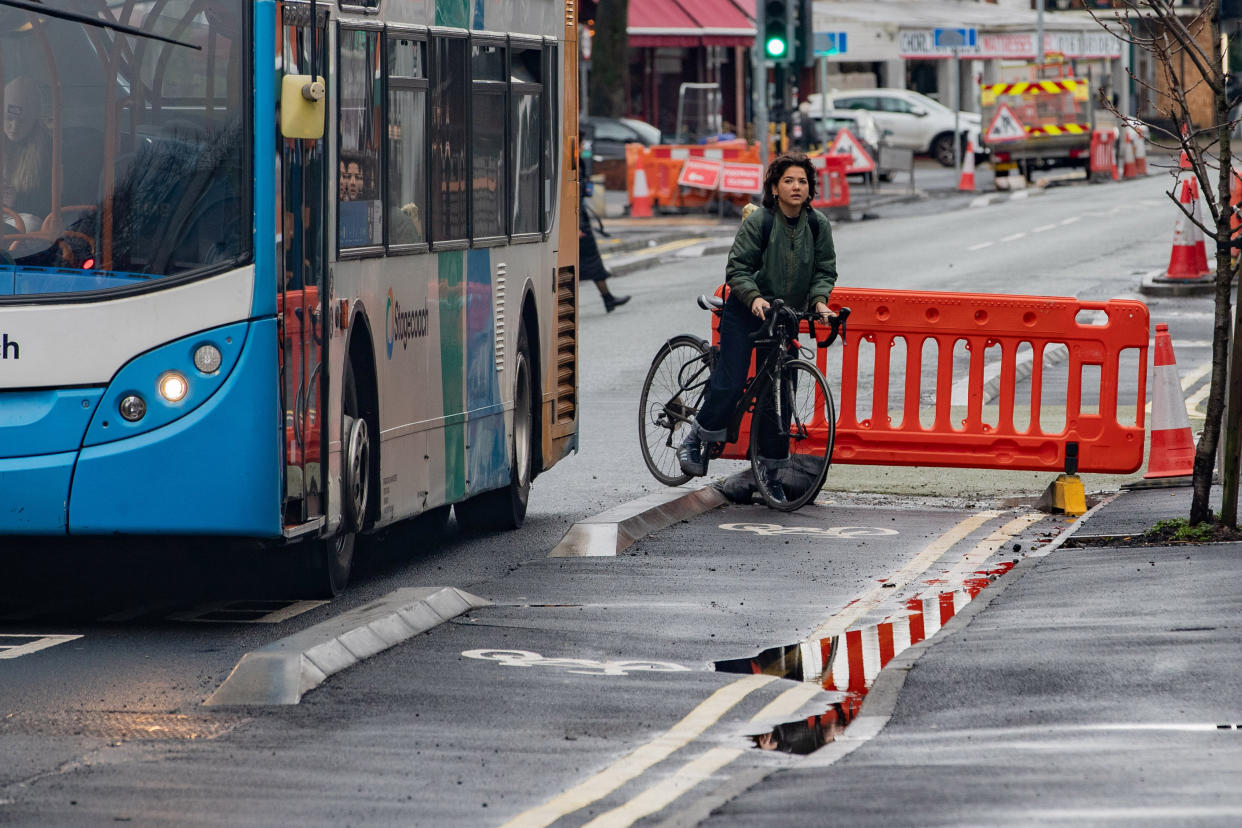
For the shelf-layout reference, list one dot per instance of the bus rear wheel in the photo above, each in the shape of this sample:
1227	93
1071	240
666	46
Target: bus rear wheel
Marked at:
331	559
506	508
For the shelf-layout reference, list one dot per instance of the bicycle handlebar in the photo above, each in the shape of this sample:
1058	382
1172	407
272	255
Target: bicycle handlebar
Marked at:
836	324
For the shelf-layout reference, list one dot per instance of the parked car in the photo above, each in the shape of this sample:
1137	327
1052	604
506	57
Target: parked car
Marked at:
861	124
612	134
909	119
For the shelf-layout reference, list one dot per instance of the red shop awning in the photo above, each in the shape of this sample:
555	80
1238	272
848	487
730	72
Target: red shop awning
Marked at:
688	23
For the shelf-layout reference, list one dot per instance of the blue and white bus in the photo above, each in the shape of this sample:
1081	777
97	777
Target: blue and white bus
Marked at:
285	271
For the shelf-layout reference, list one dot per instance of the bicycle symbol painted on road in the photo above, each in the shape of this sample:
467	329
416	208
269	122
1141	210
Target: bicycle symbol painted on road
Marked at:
581	666
828	532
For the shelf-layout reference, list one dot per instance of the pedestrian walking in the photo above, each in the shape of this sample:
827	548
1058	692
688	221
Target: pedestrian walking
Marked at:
590	265
783	251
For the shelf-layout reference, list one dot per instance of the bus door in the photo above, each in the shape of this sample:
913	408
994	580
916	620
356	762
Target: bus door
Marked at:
301	254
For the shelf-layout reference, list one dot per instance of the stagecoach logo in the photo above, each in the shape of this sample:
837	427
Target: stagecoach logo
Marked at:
9	348
402	325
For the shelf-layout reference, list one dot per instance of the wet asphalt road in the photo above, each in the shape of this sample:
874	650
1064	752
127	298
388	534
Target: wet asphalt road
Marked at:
98	728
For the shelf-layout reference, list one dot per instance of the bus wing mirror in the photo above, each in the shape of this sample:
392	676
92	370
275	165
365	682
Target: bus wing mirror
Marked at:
302	106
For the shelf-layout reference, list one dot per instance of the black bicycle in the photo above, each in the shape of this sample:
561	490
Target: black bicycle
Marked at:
787	394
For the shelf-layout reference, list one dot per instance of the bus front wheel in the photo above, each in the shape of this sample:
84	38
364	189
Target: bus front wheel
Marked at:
331	559
506	508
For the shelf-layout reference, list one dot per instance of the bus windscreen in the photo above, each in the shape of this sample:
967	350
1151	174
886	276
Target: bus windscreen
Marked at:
124	154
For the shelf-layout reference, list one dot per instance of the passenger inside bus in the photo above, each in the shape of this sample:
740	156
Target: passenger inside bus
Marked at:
27	187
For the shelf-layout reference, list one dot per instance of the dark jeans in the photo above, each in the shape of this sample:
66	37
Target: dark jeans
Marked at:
729	380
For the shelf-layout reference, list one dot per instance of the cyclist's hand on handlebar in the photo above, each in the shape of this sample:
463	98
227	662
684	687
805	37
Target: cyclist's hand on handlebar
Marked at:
825	315
759	307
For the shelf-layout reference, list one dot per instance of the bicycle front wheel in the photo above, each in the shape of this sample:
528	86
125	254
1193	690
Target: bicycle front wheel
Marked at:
672	394
791	436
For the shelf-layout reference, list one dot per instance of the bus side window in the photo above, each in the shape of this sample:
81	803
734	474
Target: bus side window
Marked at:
407	141
450	92
360	210
526	135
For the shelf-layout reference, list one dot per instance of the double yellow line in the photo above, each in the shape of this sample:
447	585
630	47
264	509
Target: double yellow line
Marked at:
710	711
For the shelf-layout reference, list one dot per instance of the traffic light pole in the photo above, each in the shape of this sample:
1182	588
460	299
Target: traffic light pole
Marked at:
759	87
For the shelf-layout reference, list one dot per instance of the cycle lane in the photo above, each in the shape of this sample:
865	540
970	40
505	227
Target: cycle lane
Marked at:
588	686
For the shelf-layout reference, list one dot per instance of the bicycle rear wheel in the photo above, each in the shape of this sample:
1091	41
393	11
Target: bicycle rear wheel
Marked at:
671	396
808	417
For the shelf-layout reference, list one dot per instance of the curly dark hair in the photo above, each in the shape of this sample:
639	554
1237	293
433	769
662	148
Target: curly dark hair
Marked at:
777	169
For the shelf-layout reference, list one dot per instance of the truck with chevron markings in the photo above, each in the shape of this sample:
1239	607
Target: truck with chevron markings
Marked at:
1041	123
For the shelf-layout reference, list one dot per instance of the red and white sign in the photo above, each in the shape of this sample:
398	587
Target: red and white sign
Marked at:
846	144
700	173
1005	126
742	178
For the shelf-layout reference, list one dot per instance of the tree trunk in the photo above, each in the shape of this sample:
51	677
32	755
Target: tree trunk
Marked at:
609	59
1222	353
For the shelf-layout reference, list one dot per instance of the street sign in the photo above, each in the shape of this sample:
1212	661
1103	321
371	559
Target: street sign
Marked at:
955	38
742	178
846	144
1005	126
701	173
830	43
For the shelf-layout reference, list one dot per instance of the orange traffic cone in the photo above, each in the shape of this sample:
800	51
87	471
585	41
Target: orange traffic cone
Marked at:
1129	160
1172	444
1189	258
640	199
967	182
1140	149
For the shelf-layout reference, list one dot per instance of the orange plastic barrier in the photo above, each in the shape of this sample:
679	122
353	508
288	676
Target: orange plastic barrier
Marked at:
833	189
1104	153
984	322
662	166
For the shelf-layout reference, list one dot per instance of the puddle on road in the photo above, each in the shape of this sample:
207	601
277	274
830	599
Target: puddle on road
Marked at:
848	664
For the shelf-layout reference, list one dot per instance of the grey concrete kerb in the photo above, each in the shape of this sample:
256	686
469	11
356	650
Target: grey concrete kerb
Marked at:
285	670
611	532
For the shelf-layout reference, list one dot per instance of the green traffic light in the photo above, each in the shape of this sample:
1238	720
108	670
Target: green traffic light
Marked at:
776	47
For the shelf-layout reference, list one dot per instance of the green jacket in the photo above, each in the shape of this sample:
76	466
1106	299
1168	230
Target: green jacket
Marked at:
801	270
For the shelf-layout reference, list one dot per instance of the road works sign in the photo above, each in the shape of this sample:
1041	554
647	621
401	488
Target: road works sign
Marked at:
846	144
701	173
742	178
1005	126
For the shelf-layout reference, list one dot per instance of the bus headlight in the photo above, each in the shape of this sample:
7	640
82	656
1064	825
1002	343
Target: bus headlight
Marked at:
133	407
173	387
207	359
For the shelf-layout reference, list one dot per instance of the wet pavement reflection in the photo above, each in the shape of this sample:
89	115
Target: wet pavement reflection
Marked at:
847	665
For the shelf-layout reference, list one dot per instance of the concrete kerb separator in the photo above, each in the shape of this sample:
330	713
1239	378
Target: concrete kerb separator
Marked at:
285	670
609	533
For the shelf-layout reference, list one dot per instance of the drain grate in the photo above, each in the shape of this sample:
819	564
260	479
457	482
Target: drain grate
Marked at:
246	612
125	725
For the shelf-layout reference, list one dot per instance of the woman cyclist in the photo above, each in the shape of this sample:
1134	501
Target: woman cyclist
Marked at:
796	263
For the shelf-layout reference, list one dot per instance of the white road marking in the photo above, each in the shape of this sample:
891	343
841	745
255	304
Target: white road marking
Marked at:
583	666
17	645
827	532
981	245
635	763
981	201
1014	237
1021	194
1044	228
1070	220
